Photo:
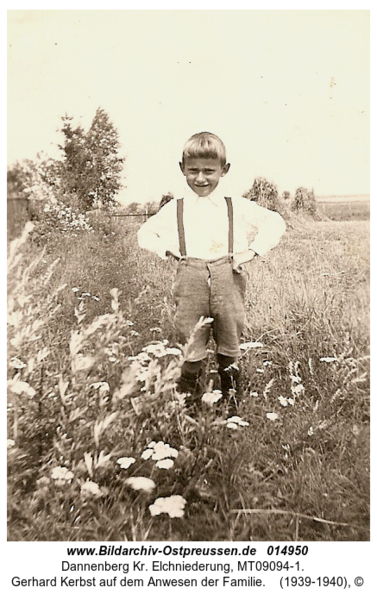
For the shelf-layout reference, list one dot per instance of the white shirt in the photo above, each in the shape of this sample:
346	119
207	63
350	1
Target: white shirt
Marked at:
206	227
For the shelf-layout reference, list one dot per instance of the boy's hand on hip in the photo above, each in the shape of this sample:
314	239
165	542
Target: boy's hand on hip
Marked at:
241	258
173	254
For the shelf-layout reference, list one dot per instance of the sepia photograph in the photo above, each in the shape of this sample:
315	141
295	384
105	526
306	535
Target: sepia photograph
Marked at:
188	325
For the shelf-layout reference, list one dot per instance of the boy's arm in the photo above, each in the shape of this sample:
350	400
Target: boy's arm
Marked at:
242	257
269	224
270	228
158	234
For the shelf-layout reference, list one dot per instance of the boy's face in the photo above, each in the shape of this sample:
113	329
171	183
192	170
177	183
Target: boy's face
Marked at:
203	174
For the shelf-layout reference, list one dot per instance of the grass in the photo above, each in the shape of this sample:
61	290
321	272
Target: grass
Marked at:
346	210
298	471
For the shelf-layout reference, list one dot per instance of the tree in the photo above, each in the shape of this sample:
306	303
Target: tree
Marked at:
286	195
19	178
91	164
75	158
134	208
103	164
264	193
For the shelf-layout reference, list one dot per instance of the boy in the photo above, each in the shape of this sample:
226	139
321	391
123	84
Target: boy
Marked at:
209	233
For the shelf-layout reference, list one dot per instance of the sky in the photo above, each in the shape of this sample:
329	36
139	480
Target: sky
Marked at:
287	91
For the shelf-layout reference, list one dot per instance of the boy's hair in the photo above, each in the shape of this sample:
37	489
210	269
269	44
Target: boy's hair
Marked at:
204	145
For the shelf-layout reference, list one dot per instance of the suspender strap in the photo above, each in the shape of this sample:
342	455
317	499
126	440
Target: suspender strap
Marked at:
231	228
181	229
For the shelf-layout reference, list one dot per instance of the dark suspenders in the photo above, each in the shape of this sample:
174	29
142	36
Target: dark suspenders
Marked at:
181	229
231	227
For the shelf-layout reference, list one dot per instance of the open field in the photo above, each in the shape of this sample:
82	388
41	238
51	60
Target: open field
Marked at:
344	210
78	405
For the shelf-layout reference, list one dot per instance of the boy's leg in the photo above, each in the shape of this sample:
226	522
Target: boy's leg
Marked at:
191	297
227	306
189	382
229	372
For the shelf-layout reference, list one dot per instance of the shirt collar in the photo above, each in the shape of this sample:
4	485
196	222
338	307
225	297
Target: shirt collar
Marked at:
216	197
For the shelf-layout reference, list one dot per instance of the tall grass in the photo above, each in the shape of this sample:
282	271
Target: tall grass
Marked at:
98	434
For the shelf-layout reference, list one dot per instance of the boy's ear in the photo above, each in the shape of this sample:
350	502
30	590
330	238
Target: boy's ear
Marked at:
182	167
225	169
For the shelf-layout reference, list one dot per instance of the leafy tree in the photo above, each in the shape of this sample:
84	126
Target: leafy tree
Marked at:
19	178
91	164
286	195
103	164
134	208
75	158
264	193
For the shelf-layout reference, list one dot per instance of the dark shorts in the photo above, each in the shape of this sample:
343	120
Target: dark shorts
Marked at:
209	289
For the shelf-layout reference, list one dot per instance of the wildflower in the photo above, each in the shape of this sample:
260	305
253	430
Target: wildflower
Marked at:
147	453
236	421
254	394
174	506
10	444
298	389
247	345
141	483
89	489
61	475
141	357
267	363
310	431
16	363
285	401
328	359
272	416
211	398
125	462
21	387
100	385
159	349
260	370
167	463
159	451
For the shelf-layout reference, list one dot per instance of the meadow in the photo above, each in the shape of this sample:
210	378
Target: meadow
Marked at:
100	446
